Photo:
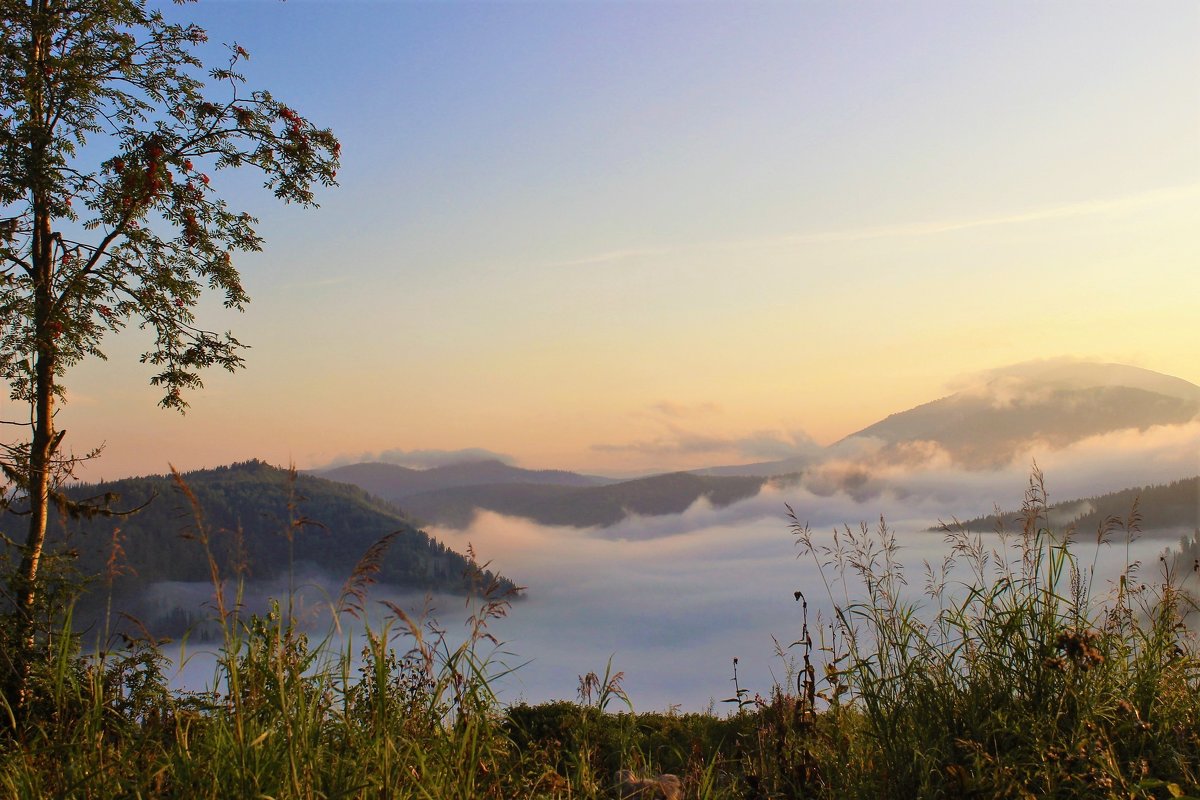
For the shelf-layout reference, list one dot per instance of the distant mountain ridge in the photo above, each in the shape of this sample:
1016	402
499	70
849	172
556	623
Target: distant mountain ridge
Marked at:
394	482
447	496
1052	403
582	507
1011	412
979	435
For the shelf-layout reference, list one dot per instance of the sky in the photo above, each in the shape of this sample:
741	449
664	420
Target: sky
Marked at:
624	236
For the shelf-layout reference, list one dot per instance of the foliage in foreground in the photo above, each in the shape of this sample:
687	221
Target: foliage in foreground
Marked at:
115	125
1018	683
1021	682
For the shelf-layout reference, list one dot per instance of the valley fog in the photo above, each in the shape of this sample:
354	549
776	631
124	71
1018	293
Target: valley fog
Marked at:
673	600
674	612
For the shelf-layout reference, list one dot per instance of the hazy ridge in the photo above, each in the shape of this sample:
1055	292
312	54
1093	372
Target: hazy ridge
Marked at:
1006	416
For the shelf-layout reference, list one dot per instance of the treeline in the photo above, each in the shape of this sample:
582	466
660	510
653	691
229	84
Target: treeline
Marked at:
1168	506
258	522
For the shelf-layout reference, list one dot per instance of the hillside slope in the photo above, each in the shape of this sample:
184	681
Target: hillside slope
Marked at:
1172	508
1052	405
257	521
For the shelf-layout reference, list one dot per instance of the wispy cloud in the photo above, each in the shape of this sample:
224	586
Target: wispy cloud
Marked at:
1187	192
421	459
676	440
614	255
675	410
933	228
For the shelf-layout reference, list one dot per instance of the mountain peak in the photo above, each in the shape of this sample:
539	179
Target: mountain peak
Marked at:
1055	402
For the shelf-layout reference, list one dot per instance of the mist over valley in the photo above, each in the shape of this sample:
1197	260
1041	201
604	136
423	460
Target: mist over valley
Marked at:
672	575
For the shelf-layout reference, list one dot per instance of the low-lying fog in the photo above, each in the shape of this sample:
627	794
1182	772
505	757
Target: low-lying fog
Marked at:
673	600
673	612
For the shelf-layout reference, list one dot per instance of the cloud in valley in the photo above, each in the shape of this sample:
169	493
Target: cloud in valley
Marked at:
923	471
673	599
921	483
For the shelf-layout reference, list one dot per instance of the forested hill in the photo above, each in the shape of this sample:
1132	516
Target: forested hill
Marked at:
250	512
1173	507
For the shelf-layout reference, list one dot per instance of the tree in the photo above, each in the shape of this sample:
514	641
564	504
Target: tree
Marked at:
110	128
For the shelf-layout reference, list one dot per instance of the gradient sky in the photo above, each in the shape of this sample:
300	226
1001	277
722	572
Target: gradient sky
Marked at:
621	236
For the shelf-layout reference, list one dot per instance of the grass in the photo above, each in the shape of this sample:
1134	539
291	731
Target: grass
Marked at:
1007	675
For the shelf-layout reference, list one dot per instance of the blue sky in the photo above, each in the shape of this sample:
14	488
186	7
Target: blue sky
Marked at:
792	218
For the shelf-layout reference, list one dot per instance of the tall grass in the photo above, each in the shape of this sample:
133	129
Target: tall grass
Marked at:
1017	681
1008	673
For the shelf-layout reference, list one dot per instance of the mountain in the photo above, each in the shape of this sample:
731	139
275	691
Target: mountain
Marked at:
450	495
261	522
1055	403
1048	403
394	482
1172	508
581	507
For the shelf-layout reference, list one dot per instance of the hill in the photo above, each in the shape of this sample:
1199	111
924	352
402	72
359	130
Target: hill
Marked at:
1173	508
258	523
1038	405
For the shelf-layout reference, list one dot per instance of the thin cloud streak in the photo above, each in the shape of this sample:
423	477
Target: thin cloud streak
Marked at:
906	230
616	255
318	283
673	410
1063	211
678	441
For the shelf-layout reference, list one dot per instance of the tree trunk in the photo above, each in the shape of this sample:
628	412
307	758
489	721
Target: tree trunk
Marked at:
43	444
41	456
41	452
